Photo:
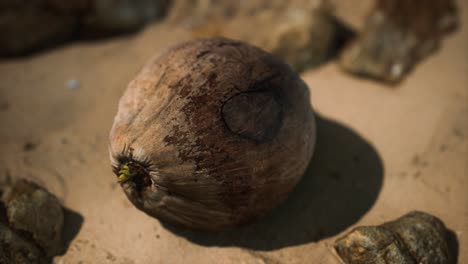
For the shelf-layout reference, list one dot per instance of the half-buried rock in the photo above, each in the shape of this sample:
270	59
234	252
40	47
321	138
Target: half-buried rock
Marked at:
415	238
397	35
31	224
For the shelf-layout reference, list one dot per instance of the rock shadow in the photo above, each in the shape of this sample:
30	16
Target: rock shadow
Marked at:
342	182
72	225
452	242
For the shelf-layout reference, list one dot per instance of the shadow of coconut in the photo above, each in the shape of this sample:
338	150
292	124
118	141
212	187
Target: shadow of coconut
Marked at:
341	184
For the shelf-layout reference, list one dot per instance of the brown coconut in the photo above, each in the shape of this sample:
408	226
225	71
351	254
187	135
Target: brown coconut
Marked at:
212	134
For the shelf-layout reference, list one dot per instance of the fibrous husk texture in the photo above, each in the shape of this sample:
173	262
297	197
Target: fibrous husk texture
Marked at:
216	131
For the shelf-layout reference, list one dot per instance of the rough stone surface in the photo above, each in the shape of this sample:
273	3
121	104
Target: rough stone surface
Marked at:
414	238
16	250
397	35
300	32
303	33
34	214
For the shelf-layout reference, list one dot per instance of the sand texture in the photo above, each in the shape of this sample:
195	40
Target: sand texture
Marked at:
381	152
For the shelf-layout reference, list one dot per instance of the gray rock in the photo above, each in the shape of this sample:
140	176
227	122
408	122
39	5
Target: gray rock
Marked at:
397	35
73	84
16	250
300	32
36	215
415	238
424	235
30	25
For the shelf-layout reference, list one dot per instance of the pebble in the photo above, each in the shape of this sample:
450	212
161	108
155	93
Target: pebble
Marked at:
73	84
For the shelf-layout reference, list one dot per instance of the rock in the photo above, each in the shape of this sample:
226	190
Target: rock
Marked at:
26	26
396	36
416	237
114	16
300	32
14	249
33	214
73	84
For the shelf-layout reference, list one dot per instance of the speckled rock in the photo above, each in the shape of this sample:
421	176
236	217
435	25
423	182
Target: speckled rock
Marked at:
416	237
34	215
15	249
396	36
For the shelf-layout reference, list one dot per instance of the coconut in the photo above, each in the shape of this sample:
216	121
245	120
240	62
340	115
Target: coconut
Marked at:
212	134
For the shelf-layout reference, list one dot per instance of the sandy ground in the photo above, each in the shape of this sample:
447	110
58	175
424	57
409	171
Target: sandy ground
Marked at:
381	153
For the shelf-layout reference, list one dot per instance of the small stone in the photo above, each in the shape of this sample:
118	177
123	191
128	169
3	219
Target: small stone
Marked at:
417	237
73	84
35	214
397	35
